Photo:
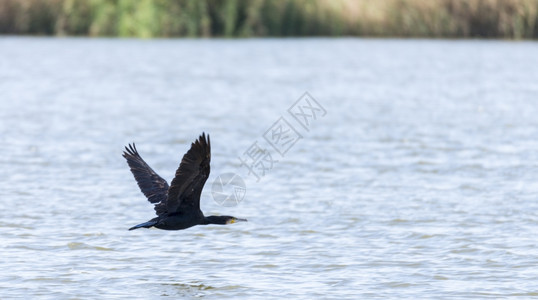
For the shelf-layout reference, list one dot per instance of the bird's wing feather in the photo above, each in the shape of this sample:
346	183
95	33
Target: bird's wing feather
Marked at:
193	171
153	186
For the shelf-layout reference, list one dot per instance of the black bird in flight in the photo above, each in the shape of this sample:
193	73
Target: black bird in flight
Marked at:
177	206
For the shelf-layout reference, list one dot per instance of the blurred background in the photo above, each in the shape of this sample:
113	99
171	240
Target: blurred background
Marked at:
419	181
509	19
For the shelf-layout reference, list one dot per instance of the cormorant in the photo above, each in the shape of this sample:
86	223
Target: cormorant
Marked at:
177	206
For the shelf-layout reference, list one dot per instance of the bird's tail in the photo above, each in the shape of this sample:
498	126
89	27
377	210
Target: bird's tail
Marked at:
145	225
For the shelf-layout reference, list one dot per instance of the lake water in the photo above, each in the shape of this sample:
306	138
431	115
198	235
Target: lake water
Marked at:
420	180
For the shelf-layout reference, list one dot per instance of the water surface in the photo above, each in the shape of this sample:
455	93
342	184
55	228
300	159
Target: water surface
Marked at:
420	181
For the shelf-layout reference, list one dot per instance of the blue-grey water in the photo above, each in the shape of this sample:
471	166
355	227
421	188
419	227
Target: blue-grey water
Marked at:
419	181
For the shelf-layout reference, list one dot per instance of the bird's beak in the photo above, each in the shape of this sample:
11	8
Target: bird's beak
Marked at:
235	220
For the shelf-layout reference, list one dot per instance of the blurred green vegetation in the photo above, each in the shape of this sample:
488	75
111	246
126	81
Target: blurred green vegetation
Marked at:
514	19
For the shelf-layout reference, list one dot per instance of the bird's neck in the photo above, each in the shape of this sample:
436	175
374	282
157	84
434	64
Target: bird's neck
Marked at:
220	220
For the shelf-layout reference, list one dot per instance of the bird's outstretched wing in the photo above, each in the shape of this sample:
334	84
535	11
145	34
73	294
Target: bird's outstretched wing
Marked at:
154	187
187	185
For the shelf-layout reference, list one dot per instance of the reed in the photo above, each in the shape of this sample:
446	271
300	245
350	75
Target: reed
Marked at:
510	19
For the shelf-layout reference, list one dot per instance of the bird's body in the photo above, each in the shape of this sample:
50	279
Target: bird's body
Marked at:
178	205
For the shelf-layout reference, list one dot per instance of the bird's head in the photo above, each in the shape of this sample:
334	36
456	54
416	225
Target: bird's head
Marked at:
223	220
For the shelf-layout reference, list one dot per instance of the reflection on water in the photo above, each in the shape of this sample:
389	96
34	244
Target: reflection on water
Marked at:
420	180
187	290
